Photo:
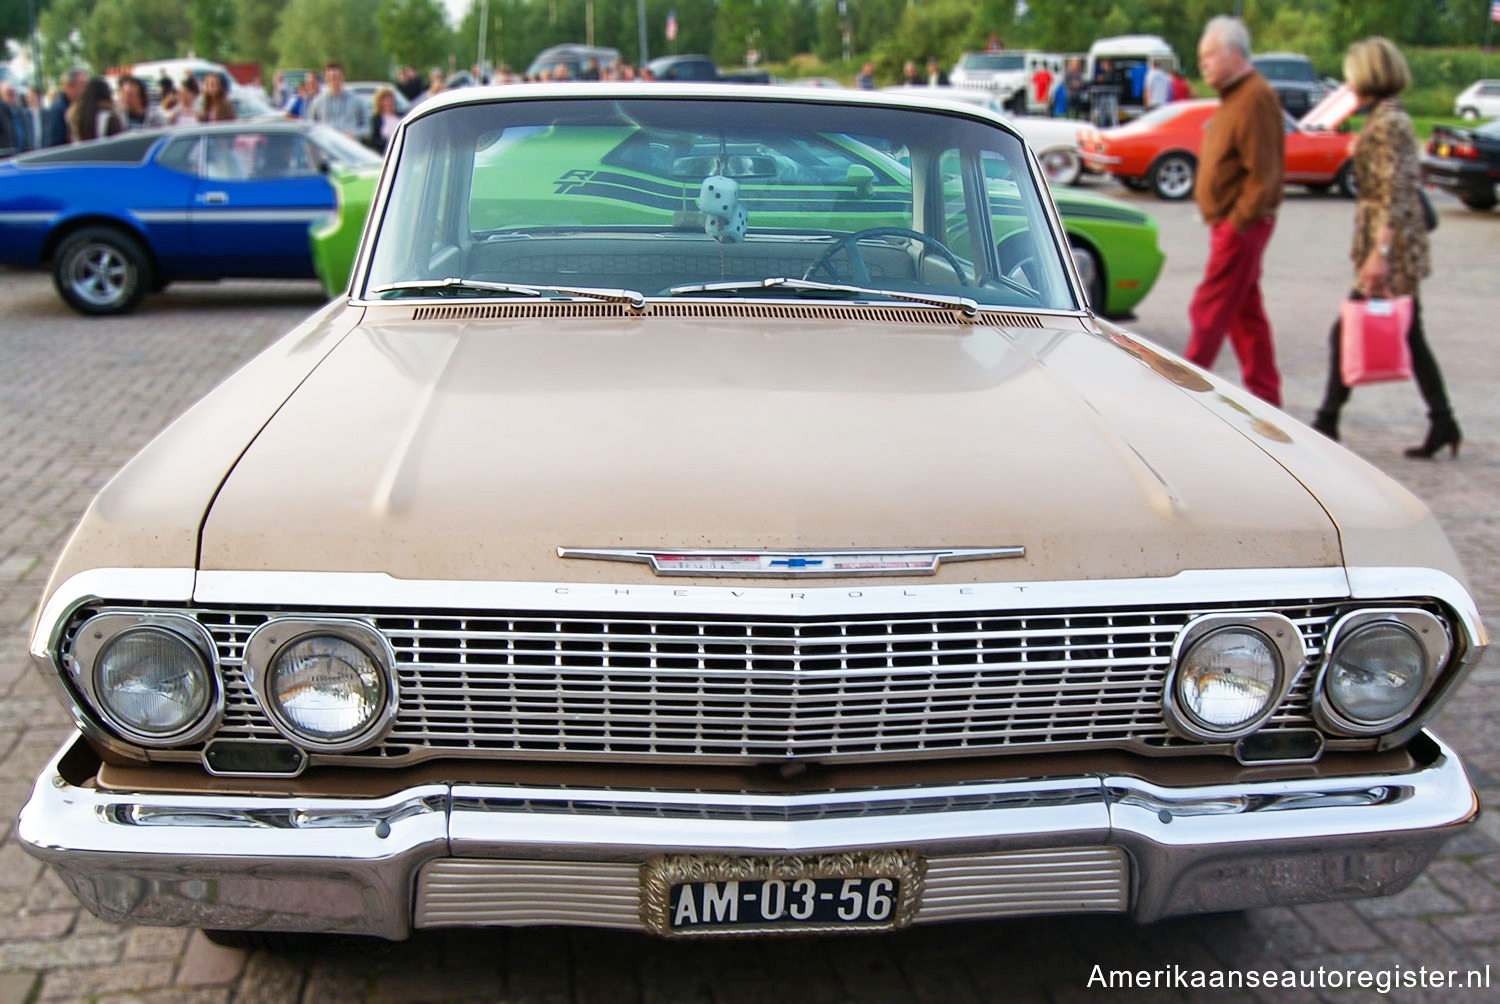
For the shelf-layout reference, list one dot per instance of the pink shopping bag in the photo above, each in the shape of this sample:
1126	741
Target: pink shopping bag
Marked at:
1372	344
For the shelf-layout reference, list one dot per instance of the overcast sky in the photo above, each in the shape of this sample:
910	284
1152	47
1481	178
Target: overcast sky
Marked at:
456	10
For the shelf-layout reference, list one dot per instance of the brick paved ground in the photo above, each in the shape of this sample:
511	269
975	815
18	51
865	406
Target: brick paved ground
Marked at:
77	398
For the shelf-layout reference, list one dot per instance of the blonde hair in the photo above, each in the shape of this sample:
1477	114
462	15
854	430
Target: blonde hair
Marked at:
382	92
1375	68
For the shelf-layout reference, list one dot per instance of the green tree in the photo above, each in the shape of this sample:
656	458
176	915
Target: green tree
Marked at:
130	31
942	30
254	33
312	32
61	42
212	28
415	32
15	20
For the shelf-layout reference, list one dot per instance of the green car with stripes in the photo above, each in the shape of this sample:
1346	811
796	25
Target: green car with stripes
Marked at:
623	176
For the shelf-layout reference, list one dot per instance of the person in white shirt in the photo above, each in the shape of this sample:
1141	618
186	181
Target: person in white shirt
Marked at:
337	107
1158	85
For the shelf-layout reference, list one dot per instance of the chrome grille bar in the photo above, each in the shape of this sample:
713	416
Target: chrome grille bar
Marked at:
633	687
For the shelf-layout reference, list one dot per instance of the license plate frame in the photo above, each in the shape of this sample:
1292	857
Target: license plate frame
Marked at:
662	878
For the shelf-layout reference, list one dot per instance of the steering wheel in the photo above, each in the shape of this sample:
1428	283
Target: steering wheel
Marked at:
850	242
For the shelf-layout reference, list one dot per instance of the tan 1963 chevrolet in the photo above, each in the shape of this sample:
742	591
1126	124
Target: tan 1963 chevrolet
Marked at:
736	553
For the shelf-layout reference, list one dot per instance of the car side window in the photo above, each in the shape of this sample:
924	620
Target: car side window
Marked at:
257	156
228	156
181	154
283	155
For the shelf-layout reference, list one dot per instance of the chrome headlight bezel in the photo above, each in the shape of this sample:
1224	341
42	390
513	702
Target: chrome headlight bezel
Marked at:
97	633
267	642
1430	633
1285	642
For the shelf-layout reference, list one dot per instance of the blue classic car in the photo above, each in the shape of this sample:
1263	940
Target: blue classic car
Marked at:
122	217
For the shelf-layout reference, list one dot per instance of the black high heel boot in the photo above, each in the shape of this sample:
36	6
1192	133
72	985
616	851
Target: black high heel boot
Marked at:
1327	423
1443	432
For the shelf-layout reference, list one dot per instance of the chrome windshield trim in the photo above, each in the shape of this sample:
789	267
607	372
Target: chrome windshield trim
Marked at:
494	94
1072	313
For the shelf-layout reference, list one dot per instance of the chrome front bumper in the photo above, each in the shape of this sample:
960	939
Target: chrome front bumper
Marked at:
462	854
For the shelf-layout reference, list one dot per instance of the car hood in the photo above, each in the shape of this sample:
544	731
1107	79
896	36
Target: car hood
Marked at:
1080	202
474	449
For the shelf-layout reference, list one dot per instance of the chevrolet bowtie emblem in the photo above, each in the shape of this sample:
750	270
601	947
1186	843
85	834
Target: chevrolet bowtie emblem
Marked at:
897	561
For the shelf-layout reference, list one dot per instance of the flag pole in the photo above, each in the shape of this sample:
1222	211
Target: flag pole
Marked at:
1489	27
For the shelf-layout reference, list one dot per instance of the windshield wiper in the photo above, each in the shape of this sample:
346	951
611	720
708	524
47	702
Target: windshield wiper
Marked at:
799	287
454	284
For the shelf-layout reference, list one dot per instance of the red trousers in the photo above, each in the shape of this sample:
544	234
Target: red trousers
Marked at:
1227	302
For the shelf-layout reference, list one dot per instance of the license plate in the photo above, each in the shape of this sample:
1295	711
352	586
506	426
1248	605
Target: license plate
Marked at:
686	895
1442	150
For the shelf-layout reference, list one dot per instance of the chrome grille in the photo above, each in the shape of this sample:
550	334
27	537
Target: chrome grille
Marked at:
648	688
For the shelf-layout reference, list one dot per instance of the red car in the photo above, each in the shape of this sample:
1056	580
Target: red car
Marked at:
1159	150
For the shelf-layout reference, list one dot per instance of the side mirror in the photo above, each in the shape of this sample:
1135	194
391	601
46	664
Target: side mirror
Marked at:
861	178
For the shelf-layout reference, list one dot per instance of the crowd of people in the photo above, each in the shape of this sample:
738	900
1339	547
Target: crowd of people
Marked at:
84	107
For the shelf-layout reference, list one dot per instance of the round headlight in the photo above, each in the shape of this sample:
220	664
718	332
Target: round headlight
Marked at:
1376	674
1228	678
325	688
152	682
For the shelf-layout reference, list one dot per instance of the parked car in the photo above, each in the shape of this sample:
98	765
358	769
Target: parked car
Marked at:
573	57
1480	100
1465	162
1159	150
1114	247
1002	72
1119	95
118	218
737	569
368	88
1293	78
684	67
1054	140
151	72
251	103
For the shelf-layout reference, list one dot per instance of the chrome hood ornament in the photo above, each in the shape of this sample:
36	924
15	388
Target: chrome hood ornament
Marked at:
800	564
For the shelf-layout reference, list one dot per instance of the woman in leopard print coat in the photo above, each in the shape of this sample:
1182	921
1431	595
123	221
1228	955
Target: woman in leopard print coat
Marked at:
1390	251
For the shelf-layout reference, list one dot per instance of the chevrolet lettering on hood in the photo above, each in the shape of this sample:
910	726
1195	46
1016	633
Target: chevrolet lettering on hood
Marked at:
781	564
756	533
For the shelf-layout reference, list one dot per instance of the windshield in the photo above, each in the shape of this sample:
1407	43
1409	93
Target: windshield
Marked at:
1285	69
994	61
652	195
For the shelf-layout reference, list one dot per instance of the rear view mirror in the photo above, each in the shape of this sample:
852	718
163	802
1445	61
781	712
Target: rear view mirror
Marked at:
735	166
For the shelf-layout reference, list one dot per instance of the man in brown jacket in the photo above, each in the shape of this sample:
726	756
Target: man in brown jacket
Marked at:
1239	187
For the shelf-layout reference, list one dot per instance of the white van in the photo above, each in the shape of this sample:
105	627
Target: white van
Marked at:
1121	94
150	72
